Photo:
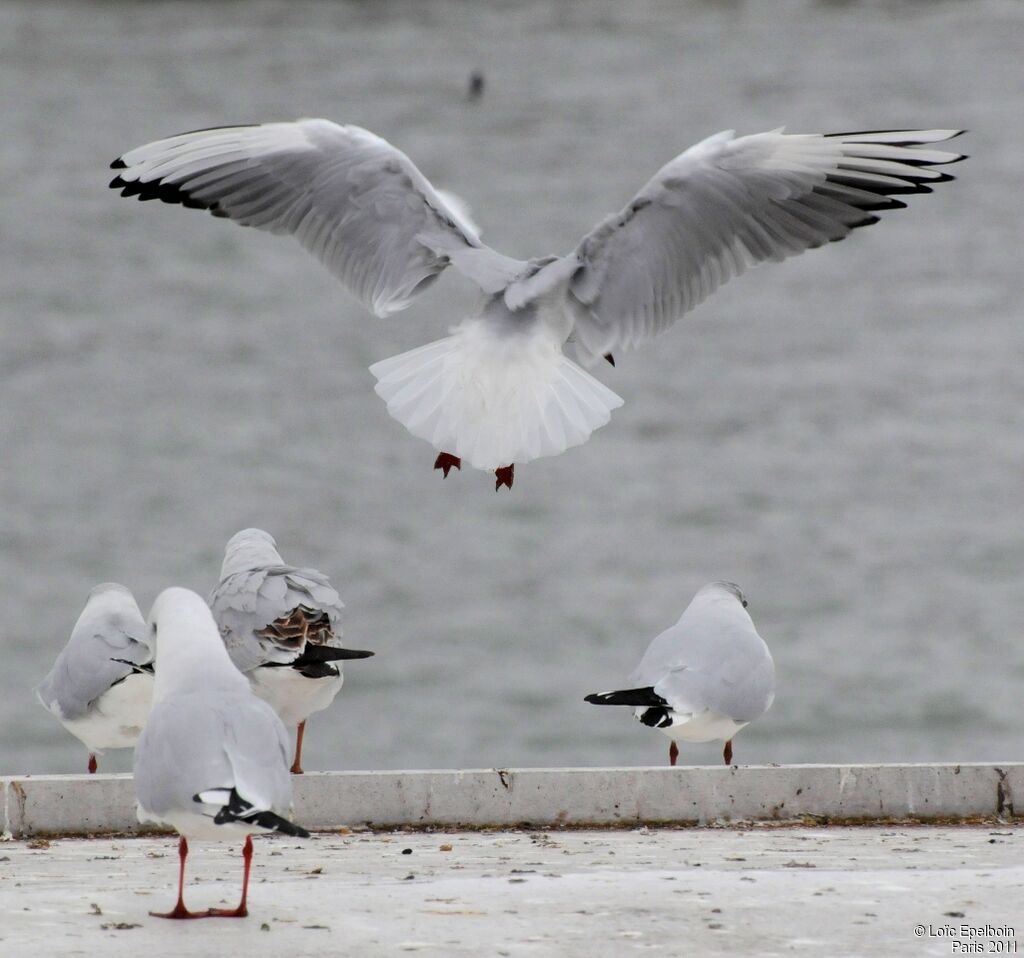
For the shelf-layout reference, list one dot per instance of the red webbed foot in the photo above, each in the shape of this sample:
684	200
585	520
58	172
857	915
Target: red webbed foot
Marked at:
446	461
504	476
240	912
180	911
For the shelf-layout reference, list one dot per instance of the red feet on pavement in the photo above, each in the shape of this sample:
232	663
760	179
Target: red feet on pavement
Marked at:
504	476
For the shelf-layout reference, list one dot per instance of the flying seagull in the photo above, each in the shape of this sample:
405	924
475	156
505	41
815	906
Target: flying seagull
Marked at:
101	686
499	391
281	627
705	678
212	762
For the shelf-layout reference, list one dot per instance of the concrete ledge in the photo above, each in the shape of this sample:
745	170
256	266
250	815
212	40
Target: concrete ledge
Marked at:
99	804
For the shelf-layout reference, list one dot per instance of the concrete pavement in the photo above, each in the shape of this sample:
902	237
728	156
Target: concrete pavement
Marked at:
854	891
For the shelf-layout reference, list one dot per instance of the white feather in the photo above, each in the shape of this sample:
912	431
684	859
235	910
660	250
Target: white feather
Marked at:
492	397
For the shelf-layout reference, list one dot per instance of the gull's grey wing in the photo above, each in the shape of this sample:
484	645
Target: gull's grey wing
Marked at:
727	204
711	659
739	687
351	198
250	600
110	627
194	743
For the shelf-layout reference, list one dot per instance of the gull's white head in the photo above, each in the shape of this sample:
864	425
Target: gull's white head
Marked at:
249	549
722	590
189	649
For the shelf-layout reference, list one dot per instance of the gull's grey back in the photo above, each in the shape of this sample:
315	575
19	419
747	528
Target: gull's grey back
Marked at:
110	627
194	742
712	658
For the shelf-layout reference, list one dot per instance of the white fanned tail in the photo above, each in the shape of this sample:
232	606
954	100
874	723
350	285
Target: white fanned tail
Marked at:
494	397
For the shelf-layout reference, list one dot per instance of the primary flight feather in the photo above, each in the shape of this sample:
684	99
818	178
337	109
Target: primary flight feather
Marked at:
499	390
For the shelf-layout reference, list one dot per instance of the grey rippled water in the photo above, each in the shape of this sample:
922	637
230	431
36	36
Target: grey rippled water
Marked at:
842	434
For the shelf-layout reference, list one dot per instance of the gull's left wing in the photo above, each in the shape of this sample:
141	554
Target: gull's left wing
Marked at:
727	204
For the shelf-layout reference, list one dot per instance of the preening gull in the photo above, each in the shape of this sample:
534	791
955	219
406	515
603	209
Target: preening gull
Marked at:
101	686
281	627
499	391
705	678
212	762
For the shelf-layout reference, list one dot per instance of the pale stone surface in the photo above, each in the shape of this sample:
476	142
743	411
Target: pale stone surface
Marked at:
91	804
668	892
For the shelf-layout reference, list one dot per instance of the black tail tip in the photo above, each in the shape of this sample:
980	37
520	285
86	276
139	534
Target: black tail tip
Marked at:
356	654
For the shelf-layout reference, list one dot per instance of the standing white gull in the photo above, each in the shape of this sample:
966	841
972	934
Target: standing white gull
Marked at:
101	686
499	390
212	762
705	678
281	627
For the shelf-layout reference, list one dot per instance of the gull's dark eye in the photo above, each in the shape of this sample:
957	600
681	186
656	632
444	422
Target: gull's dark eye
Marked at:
744	601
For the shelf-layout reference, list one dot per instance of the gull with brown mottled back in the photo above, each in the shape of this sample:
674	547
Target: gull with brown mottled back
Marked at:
281	625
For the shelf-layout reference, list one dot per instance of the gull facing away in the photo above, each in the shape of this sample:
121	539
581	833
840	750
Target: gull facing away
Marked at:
499	391
705	678
212	762
101	686
281	627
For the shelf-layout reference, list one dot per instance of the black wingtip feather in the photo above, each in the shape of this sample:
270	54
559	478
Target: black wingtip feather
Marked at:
656	717
275	823
634	697
239	810
867	221
886	189
331	653
853	134
118	164
165	192
317	670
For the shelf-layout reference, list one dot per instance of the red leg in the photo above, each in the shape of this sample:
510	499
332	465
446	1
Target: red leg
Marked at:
241	911
92	764
446	461
504	476
297	764
673	753
727	752
180	911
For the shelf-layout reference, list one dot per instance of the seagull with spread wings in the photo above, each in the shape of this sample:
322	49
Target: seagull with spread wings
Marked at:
499	390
